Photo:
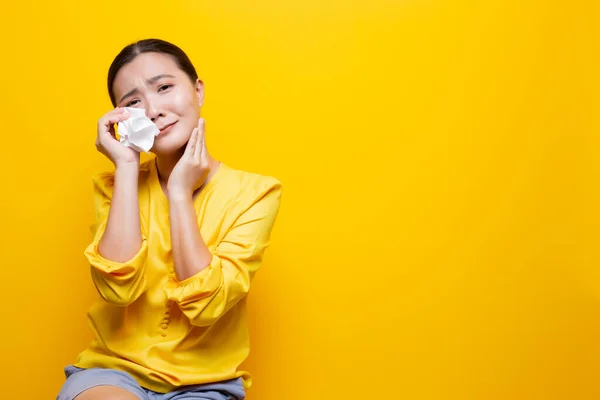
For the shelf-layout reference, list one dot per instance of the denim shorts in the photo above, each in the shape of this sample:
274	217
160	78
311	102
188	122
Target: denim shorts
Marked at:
80	380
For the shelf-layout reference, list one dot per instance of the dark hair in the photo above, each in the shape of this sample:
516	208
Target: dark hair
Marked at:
131	51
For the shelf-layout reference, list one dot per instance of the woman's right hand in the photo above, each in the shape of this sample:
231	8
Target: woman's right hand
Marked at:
107	142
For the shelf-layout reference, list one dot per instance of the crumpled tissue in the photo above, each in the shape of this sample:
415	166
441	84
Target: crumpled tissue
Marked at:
138	131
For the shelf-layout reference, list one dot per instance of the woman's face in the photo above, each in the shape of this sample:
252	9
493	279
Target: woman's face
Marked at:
154	82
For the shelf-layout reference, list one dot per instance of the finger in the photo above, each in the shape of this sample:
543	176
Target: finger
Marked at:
199	140
117	111
113	118
191	145
204	150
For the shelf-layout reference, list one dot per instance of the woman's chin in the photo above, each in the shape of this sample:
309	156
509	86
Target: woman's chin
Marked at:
167	145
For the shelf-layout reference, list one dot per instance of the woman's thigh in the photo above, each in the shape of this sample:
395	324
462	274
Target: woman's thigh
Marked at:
100	383
226	390
106	392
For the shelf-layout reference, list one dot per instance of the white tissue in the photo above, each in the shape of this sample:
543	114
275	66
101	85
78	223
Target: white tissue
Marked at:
137	131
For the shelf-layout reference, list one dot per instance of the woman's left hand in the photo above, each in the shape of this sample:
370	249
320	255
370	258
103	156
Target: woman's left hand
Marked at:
193	167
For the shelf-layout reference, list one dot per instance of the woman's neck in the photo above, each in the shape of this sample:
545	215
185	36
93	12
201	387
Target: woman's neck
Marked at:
166	163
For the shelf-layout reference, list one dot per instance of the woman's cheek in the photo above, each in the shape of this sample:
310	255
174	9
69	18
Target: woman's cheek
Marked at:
182	100
176	100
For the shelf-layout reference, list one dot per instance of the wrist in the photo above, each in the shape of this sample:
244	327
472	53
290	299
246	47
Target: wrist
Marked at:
178	194
128	164
127	171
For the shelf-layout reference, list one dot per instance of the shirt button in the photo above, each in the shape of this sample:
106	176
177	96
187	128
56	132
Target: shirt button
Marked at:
163	334
164	326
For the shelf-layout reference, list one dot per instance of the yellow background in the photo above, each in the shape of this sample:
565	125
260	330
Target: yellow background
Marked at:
438	237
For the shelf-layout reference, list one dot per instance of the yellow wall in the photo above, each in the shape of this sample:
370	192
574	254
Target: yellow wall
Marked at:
439	233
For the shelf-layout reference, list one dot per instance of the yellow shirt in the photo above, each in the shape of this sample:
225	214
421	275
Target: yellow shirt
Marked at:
168	333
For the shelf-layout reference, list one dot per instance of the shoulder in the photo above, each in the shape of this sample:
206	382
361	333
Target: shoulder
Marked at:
249	185
104	181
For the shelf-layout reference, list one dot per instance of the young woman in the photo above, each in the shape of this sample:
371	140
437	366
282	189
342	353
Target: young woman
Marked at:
176	243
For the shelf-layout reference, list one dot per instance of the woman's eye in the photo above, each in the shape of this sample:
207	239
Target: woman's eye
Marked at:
164	87
131	103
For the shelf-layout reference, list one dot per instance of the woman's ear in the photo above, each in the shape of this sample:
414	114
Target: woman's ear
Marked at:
200	92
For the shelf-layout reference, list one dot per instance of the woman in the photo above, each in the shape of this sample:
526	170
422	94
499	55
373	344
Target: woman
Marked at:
176	243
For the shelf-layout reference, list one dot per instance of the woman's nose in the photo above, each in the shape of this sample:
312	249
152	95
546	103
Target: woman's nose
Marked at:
152	111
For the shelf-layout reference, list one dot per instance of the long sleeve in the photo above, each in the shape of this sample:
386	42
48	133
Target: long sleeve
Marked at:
212	292
118	283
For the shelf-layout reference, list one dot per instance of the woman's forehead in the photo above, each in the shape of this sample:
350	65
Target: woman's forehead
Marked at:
147	65
143	68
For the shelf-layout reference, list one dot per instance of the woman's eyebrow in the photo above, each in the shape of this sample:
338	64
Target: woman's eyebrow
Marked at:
158	77
148	82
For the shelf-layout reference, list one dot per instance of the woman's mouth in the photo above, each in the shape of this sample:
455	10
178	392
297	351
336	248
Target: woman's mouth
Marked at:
166	129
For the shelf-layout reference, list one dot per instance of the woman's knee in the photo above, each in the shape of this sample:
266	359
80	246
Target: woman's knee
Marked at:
106	392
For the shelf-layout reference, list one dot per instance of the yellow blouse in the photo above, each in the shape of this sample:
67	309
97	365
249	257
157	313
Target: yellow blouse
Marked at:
168	333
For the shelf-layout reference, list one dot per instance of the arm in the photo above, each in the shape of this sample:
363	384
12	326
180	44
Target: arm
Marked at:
118	251
190	254
122	238
214	281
